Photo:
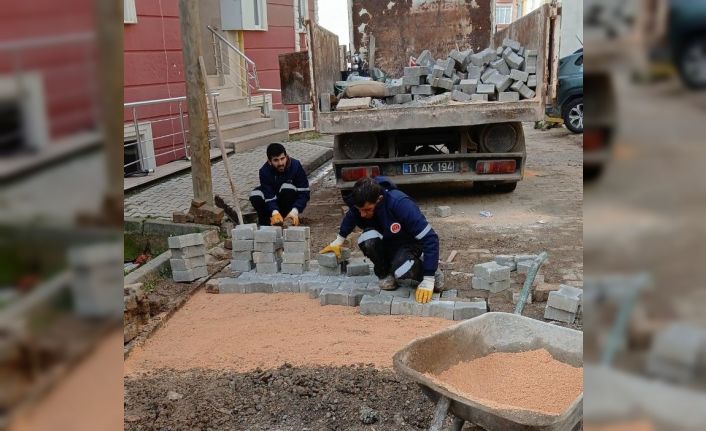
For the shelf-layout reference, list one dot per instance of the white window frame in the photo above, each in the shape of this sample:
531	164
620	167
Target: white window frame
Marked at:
299	28
505	9
145	149
129	12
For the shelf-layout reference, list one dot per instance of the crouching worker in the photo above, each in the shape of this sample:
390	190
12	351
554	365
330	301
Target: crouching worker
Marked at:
396	236
283	191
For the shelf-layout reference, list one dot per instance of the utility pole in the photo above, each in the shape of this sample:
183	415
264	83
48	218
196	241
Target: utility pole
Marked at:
196	101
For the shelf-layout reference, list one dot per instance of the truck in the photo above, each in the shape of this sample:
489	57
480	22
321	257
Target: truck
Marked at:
476	142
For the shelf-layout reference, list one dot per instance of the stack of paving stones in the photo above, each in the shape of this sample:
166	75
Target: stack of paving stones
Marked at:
267	249
564	304
330	265
297	242
505	74
188	259
243	244
520	265
402	302
491	276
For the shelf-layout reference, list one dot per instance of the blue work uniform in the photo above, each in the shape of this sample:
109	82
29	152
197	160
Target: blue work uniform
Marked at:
280	191
398	239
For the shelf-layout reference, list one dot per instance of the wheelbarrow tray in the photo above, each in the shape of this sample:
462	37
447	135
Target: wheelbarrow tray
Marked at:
481	336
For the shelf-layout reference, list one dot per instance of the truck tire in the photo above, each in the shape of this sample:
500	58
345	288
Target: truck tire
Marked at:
691	63
573	115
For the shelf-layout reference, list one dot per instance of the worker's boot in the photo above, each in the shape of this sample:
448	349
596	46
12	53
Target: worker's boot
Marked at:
388	283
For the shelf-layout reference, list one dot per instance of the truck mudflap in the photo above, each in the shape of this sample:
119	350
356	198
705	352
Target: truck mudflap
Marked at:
442	168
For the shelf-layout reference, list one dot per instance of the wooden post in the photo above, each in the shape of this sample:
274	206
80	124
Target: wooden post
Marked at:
196	101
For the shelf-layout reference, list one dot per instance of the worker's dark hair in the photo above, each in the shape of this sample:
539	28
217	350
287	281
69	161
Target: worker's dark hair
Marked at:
365	190
275	150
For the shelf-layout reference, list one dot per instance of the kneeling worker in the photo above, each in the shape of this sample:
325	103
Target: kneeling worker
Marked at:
396	236
283	189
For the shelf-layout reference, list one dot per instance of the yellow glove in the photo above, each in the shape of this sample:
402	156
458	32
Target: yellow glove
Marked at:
293	217
276	219
334	247
425	290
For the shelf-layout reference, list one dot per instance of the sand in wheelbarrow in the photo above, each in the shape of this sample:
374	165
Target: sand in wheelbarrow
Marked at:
531	380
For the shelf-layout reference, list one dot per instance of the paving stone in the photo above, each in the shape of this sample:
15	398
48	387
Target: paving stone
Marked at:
296	247
364	279
506	260
489	55
242	255
532	81
460	96
415	71
241	265
477	59
261	257
449	294
357	291
519	75
441	309
245	231
444	83
375	305
424	90
502	82
425	58
299	258
188	252
487	75
567	298
501	66
469	85
400	292
524	266
405	306
258	286
485	89
187	240
524	257
467	310
481	283
551	313
285	286
479	97
266	236
189	275
313	288
679	344
268	247
513	60
516	297
395	90
508	96
357	268
231	285
526	92
353	103
268	268
328	271
297	233
187	264
335	296
437	71
491	271
512	44
294	268
414	80
327	260
243	245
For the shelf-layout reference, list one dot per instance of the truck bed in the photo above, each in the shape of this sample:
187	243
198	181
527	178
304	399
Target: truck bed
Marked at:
447	115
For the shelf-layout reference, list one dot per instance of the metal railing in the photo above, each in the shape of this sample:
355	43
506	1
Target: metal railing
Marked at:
180	116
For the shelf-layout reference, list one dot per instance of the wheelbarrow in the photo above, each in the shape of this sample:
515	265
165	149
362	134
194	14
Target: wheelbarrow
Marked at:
481	336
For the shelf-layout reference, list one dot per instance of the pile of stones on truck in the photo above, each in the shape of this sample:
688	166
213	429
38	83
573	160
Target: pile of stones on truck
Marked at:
505	74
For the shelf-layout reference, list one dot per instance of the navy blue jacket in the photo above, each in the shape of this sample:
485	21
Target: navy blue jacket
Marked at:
399	220
271	183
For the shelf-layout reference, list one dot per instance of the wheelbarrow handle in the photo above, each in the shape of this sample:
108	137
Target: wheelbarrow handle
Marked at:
531	274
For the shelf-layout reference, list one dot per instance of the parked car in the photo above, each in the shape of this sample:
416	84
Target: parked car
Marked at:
687	40
569	100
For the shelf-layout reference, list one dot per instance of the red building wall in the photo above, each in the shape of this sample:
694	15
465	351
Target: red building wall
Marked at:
154	69
67	68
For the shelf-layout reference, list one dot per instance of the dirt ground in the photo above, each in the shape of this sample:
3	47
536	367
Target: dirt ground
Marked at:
543	214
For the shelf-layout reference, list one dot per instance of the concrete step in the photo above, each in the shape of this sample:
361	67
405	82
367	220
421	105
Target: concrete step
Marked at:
237	115
247	127
231	102
254	140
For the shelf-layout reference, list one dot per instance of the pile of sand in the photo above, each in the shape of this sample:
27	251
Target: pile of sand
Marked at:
531	380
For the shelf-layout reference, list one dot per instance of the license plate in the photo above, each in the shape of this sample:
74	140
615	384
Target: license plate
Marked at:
428	168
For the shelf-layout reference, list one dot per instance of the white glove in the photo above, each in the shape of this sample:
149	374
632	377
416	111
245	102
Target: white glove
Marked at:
425	290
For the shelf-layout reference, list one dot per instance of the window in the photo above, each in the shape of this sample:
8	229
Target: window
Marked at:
503	14
301	13
129	12
243	14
